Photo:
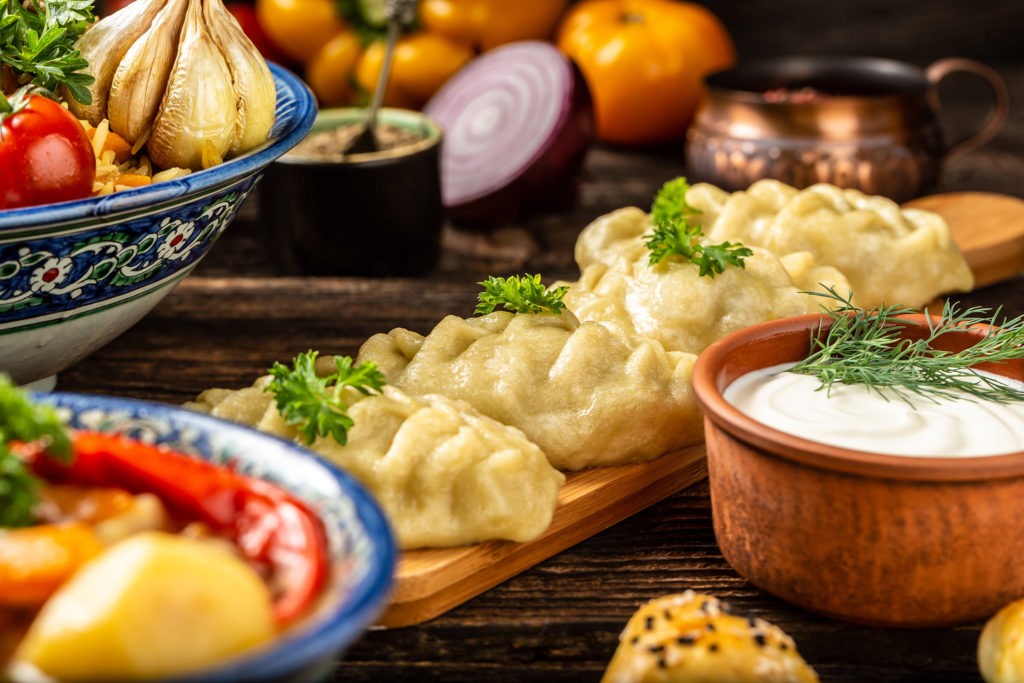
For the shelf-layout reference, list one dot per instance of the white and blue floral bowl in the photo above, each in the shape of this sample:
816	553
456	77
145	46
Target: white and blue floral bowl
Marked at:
362	547
74	275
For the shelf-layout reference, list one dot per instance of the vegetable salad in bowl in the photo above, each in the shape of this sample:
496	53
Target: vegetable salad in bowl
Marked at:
141	541
76	271
168	84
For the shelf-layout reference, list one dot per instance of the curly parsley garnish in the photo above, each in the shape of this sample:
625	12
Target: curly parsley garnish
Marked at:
863	347
526	294
23	421
673	235
37	44
316	405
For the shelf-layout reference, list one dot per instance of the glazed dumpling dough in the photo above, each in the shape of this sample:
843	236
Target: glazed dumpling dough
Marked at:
889	254
444	474
693	638
671	302
585	394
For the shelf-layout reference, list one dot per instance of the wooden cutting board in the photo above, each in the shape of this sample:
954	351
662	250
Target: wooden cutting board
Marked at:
988	228
431	581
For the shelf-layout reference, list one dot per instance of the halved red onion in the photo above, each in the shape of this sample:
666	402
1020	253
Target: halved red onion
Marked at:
517	122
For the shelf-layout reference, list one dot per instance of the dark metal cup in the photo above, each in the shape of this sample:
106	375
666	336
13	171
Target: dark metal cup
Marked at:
374	214
858	122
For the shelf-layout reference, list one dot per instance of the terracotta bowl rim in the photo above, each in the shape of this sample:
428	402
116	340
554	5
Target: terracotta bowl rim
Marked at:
708	384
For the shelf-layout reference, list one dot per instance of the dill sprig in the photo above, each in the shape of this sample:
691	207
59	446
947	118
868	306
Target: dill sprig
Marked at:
674	235
864	347
526	294
317	405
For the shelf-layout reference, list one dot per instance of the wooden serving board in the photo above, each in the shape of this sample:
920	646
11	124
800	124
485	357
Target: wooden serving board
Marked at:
431	581
988	228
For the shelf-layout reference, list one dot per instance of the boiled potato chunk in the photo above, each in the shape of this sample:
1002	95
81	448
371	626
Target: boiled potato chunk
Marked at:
153	605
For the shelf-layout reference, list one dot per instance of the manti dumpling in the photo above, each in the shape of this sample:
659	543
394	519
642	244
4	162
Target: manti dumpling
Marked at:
671	302
889	254
444	474
582	392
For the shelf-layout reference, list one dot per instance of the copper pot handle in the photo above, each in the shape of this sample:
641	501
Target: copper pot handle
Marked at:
941	68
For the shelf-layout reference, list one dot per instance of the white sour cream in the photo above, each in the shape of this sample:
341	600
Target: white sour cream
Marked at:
853	416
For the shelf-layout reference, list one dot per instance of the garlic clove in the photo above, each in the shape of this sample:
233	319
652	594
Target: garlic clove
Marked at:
103	46
253	82
141	78
195	125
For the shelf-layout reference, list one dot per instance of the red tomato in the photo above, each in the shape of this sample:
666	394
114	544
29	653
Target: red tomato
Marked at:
246	16
111	6
45	155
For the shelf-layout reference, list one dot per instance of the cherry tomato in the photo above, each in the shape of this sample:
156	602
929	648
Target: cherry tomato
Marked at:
299	28
45	155
422	63
111	6
329	72
246	16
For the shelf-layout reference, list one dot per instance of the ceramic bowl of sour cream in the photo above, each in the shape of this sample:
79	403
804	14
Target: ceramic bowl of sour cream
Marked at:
893	527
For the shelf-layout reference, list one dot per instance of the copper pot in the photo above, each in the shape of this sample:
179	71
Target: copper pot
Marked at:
860	122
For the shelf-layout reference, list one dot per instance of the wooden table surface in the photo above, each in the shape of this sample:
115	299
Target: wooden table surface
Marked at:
234	316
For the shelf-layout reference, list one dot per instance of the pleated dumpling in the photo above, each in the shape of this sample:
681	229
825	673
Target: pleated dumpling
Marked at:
444	474
582	392
889	254
671	302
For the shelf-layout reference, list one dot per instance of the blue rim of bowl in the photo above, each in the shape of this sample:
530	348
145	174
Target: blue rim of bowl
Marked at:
330	638
295	110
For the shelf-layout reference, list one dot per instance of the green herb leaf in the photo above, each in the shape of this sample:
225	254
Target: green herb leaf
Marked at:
38	44
526	294
317	405
369	18
673	235
21	420
863	347
670	202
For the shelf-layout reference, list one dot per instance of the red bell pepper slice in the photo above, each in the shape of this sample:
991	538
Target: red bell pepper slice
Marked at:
271	527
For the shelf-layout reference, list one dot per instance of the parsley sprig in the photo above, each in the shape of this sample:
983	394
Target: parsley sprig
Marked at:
863	347
317	405
674	235
23	421
37	43
519	294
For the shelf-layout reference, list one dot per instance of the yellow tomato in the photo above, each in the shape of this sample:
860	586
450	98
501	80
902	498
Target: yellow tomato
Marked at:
644	62
329	72
488	23
422	63
299	28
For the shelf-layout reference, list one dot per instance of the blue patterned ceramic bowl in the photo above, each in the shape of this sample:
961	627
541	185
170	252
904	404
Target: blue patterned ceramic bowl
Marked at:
74	275
362	547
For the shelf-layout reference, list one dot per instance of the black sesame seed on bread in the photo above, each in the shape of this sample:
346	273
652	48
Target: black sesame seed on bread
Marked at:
693	638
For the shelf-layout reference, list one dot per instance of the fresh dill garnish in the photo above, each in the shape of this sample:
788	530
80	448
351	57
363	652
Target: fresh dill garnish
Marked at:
864	347
526	294
317	405
37	43
26	422
674	235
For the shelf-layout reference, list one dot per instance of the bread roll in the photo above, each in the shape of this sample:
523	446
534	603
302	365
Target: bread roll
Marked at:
1001	646
693	638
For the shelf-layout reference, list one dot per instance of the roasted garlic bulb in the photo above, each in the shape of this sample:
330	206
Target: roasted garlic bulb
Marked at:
180	78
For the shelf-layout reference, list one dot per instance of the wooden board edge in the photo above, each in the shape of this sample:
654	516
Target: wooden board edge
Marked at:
417	607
